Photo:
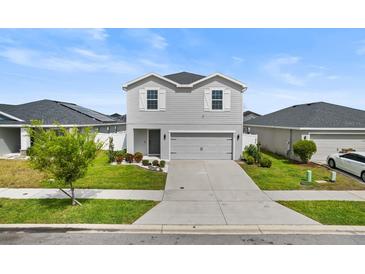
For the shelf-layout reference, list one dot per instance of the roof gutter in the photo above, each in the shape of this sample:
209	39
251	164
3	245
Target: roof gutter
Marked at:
305	128
244	87
56	126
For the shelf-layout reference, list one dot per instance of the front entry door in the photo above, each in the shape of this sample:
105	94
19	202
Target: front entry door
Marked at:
154	142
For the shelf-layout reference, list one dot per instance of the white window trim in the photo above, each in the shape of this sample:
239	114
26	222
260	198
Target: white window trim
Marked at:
211	98
158	103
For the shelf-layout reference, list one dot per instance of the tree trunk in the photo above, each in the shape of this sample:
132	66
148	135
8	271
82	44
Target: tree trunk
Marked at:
73	195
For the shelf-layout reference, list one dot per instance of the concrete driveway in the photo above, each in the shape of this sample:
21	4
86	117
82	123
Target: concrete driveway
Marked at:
216	192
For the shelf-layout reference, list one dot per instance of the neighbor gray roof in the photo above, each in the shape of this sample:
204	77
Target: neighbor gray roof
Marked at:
313	115
184	78
50	112
119	117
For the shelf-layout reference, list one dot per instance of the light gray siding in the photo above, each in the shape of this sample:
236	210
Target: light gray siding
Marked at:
9	140
279	141
184	111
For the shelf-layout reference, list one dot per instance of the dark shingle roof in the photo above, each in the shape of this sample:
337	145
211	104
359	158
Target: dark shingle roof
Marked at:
119	117
184	78
313	115
49	112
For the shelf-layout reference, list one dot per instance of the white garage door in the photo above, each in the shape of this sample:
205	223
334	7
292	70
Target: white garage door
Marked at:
332	143
201	146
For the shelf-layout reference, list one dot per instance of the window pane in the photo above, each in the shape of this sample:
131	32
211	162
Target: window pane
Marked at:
217	94
151	104
217	104
151	94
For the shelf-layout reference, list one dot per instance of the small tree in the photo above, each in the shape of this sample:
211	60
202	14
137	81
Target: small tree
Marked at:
64	153
305	149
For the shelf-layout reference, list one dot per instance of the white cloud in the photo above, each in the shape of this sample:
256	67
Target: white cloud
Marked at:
89	54
278	68
361	48
237	60
98	34
148	36
282	68
43	60
151	63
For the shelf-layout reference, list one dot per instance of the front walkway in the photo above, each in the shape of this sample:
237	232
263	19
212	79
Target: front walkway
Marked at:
216	192
316	195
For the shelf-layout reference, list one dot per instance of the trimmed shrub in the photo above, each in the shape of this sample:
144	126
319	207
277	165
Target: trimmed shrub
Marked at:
305	149
162	163
138	156
265	162
129	158
155	162
145	162
250	160
119	156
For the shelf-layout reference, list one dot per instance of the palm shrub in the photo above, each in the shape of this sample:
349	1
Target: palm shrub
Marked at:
64	153
305	149
253	151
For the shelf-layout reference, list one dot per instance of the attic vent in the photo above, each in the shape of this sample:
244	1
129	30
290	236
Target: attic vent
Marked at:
309	104
295	106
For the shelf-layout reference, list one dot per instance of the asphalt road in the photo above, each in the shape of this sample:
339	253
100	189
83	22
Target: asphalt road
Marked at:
77	238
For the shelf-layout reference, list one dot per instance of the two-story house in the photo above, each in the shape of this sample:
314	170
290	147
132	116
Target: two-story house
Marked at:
185	116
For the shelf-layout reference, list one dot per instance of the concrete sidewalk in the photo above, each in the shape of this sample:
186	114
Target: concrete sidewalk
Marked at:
315	229
54	193
316	195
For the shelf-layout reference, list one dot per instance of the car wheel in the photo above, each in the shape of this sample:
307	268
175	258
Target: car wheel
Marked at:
331	163
363	176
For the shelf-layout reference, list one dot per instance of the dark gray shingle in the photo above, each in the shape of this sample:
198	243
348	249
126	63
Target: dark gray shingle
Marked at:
49	112
184	78
313	115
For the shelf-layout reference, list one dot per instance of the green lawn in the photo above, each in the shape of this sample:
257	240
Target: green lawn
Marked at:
330	212
17	173
288	175
60	211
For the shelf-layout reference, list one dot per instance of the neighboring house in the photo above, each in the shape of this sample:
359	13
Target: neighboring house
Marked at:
119	117
331	127
249	115
185	116
15	118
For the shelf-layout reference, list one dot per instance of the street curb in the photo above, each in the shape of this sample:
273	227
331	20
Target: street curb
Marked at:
187	229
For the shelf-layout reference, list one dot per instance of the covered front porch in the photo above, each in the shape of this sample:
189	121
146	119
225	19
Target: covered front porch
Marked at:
147	141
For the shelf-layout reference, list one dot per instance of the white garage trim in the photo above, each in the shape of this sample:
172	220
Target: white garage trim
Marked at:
204	131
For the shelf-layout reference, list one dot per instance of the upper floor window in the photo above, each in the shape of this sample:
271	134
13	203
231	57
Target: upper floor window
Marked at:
152	99
217	99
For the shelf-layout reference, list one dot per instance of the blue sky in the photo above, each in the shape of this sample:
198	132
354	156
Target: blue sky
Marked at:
281	67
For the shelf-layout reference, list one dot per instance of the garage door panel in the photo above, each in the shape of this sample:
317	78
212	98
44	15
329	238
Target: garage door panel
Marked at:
332	143
201	146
